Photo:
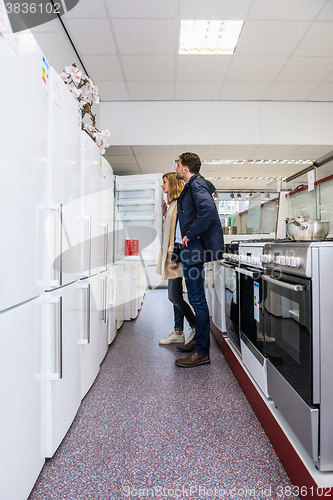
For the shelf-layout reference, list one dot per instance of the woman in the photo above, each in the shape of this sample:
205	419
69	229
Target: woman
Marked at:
172	269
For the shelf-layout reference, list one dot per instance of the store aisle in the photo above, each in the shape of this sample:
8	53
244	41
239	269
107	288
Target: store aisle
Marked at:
148	429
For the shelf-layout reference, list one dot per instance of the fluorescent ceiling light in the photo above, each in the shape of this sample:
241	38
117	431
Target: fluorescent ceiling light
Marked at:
250	161
209	37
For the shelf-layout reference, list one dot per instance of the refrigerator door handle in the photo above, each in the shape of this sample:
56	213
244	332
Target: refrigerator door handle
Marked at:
103	300
104	245
111	293
53	232
86	245
85	307
54	345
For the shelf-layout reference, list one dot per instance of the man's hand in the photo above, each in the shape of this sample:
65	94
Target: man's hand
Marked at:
185	240
173	265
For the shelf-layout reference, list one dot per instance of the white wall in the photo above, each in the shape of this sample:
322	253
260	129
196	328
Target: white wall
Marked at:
218	122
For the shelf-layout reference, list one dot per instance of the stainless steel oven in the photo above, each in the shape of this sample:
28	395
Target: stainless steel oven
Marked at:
298	314
231	302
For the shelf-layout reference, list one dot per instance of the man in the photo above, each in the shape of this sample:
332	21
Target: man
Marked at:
202	241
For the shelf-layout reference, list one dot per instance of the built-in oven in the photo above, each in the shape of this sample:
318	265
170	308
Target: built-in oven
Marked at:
287	309
231	302
292	290
251	324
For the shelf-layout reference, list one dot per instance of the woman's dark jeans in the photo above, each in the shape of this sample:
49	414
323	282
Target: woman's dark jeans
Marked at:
180	307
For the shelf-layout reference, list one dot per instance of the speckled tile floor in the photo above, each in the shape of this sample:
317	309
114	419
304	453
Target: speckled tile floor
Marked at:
148	429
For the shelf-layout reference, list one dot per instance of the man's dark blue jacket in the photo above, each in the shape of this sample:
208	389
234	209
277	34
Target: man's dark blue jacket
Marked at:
200	222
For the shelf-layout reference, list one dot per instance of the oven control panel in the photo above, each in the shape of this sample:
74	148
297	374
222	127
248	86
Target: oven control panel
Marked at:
289	257
251	255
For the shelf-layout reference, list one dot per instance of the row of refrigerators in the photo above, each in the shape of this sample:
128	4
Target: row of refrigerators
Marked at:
66	286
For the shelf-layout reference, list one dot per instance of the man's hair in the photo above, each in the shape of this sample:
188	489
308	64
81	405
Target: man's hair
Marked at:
191	161
175	186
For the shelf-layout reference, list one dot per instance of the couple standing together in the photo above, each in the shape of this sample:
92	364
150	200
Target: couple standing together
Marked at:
192	235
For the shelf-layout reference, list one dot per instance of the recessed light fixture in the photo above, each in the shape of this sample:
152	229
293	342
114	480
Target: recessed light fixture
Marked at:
209	37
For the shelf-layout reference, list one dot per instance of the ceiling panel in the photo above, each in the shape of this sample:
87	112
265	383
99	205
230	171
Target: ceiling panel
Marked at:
200	68
318	42
234	152
306	69
150	91
88	9
202	151
278	38
197	91
112	91
214	9
103	68
99	41
221	170
146	36
244	91
289	91
149	68
323	92
161	9
285	9
154	151
255	69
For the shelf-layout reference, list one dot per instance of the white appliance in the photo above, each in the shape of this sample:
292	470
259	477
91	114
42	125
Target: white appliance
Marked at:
92	250
138	230
61	364
138	216
111	303
119	296
63	189
107	215
22	163
103	315
20	394
89	312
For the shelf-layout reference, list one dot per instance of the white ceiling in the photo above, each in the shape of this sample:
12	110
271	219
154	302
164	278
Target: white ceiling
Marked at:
130	50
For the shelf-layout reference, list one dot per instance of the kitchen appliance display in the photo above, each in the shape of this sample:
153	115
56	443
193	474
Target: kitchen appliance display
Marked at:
229	264
252	339
298	313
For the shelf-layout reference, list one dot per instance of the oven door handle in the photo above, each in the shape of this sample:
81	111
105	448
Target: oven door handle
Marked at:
248	273
282	284
227	265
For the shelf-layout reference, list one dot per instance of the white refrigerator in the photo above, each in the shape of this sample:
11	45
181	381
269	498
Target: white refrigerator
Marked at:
23	86
61	351
63	186
138	230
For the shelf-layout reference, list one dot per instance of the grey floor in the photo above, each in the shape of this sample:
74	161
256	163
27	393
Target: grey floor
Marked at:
149	429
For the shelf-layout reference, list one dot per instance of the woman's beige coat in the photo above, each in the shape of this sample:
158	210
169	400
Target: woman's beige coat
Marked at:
167	247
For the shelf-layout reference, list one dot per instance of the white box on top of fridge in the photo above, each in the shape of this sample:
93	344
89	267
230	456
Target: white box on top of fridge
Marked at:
91	206
21	459
24	87
63	186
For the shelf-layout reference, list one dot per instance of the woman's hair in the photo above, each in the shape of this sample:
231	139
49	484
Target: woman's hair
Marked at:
175	186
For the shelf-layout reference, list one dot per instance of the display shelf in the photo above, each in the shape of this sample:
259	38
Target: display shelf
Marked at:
138	201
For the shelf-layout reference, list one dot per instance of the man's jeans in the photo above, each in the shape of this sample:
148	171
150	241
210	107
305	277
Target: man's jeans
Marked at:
180	307
194	278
